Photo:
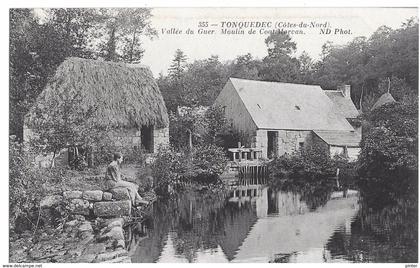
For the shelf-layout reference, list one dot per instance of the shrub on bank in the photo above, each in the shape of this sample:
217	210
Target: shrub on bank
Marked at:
388	163
311	165
202	165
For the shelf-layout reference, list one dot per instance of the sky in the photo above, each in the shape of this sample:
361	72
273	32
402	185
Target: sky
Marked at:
354	22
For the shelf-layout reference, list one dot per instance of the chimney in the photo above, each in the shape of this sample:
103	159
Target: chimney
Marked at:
346	90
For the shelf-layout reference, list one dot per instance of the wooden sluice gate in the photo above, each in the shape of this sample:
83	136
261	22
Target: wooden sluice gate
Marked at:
253	174
246	167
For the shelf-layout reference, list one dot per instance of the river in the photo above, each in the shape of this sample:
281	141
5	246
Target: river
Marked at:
259	224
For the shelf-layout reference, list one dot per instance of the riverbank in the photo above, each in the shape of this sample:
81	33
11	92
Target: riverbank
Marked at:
78	221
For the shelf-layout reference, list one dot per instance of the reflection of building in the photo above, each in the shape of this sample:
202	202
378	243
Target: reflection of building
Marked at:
295	232
237	224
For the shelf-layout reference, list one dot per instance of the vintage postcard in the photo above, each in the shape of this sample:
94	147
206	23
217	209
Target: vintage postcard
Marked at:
166	135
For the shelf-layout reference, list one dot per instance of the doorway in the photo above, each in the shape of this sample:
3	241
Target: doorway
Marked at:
147	138
272	144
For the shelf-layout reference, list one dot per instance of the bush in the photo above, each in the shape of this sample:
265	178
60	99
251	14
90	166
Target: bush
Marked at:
308	173
27	186
388	163
203	165
313	164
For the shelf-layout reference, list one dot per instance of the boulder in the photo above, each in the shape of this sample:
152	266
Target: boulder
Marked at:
115	233
95	248
51	201
123	259
93	195
85	227
115	222
120	194
120	243
86	258
79	206
111	255
72	194
107	196
112	208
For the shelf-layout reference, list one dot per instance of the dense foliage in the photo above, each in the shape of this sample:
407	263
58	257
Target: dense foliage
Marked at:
389	156
202	165
27	187
205	125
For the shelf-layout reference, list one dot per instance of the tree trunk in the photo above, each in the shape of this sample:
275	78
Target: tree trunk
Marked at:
111	46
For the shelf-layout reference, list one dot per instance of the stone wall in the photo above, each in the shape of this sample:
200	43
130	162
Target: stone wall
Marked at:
288	140
115	203
132	138
160	138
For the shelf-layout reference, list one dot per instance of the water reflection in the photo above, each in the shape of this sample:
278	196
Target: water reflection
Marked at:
254	223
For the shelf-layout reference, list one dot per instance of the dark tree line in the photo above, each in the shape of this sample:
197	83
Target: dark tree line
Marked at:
38	44
388	58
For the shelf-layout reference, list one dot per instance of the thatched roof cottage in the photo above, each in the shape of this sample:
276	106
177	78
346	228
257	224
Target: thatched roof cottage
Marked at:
126	98
284	118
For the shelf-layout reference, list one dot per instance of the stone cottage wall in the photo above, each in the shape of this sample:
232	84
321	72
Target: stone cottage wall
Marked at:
288	140
161	138
127	138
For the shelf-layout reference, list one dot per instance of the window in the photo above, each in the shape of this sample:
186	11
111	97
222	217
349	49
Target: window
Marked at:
301	145
297	107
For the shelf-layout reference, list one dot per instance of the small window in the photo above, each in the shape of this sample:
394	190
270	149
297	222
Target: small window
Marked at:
301	144
297	107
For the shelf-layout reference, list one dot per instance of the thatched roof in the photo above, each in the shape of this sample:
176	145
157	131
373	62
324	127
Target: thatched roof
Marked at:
123	95
384	99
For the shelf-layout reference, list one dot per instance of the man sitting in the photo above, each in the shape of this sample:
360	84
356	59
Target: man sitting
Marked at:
113	179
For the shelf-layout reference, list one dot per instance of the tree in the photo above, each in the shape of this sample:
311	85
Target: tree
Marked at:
178	66
244	66
306	68
123	28
63	123
279	65
388	161
36	49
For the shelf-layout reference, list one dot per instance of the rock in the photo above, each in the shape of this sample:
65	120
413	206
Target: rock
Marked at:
94	249
85	227
111	255
87	238
79	206
112	208
78	217
123	259
86	258
115	222
72	223
120	243
116	233
107	196
93	195
120	194
72	194
36	254
75	252
51	201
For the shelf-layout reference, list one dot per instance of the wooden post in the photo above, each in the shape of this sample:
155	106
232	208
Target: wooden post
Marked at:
189	139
